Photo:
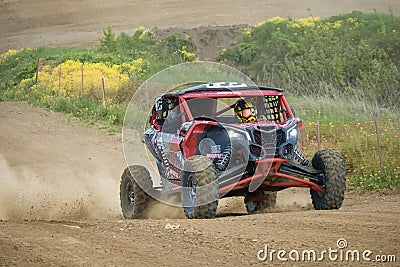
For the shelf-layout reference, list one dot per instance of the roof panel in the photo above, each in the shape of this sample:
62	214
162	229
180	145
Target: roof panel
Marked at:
227	87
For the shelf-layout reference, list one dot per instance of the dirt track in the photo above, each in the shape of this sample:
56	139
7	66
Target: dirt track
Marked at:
59	205
59	179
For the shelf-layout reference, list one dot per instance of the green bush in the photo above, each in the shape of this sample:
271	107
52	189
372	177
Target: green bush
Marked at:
143	43
16	67
350	55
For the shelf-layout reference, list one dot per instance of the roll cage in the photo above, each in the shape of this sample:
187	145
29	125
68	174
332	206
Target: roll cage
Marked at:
202	101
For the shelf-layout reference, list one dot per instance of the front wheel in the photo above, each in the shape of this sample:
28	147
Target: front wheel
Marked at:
199	188
333	179
135	187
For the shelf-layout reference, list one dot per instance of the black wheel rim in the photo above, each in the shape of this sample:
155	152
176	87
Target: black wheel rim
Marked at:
189	195
192	190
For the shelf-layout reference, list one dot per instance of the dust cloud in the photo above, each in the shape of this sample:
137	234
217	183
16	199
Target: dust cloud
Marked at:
57	195
293	199
27	194
161	210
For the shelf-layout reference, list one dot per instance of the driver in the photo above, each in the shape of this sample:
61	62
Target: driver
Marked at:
245	111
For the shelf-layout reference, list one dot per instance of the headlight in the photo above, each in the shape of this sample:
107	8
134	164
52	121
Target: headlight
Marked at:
292	133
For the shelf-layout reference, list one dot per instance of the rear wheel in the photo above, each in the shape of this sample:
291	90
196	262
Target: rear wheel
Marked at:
135	187
261	206
199	188
333	179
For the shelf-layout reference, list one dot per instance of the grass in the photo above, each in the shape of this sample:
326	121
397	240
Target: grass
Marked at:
348	125
376	181
339	110
84	109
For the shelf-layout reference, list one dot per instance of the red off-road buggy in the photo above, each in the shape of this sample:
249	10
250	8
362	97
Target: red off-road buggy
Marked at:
203	153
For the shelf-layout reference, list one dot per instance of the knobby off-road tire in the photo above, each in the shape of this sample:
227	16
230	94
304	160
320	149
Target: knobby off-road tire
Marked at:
136	184
199	188
333	177
253	207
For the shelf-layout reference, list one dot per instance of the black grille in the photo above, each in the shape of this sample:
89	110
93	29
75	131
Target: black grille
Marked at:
266	138
280	137
256	151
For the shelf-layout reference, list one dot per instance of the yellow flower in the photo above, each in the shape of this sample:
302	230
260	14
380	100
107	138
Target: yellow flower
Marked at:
295	25
275	20
139	67
69	82
189	56
147	33
247	31
337	24
308	22
8	54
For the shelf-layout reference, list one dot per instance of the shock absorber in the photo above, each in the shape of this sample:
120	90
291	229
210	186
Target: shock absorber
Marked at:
300	157
224	160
